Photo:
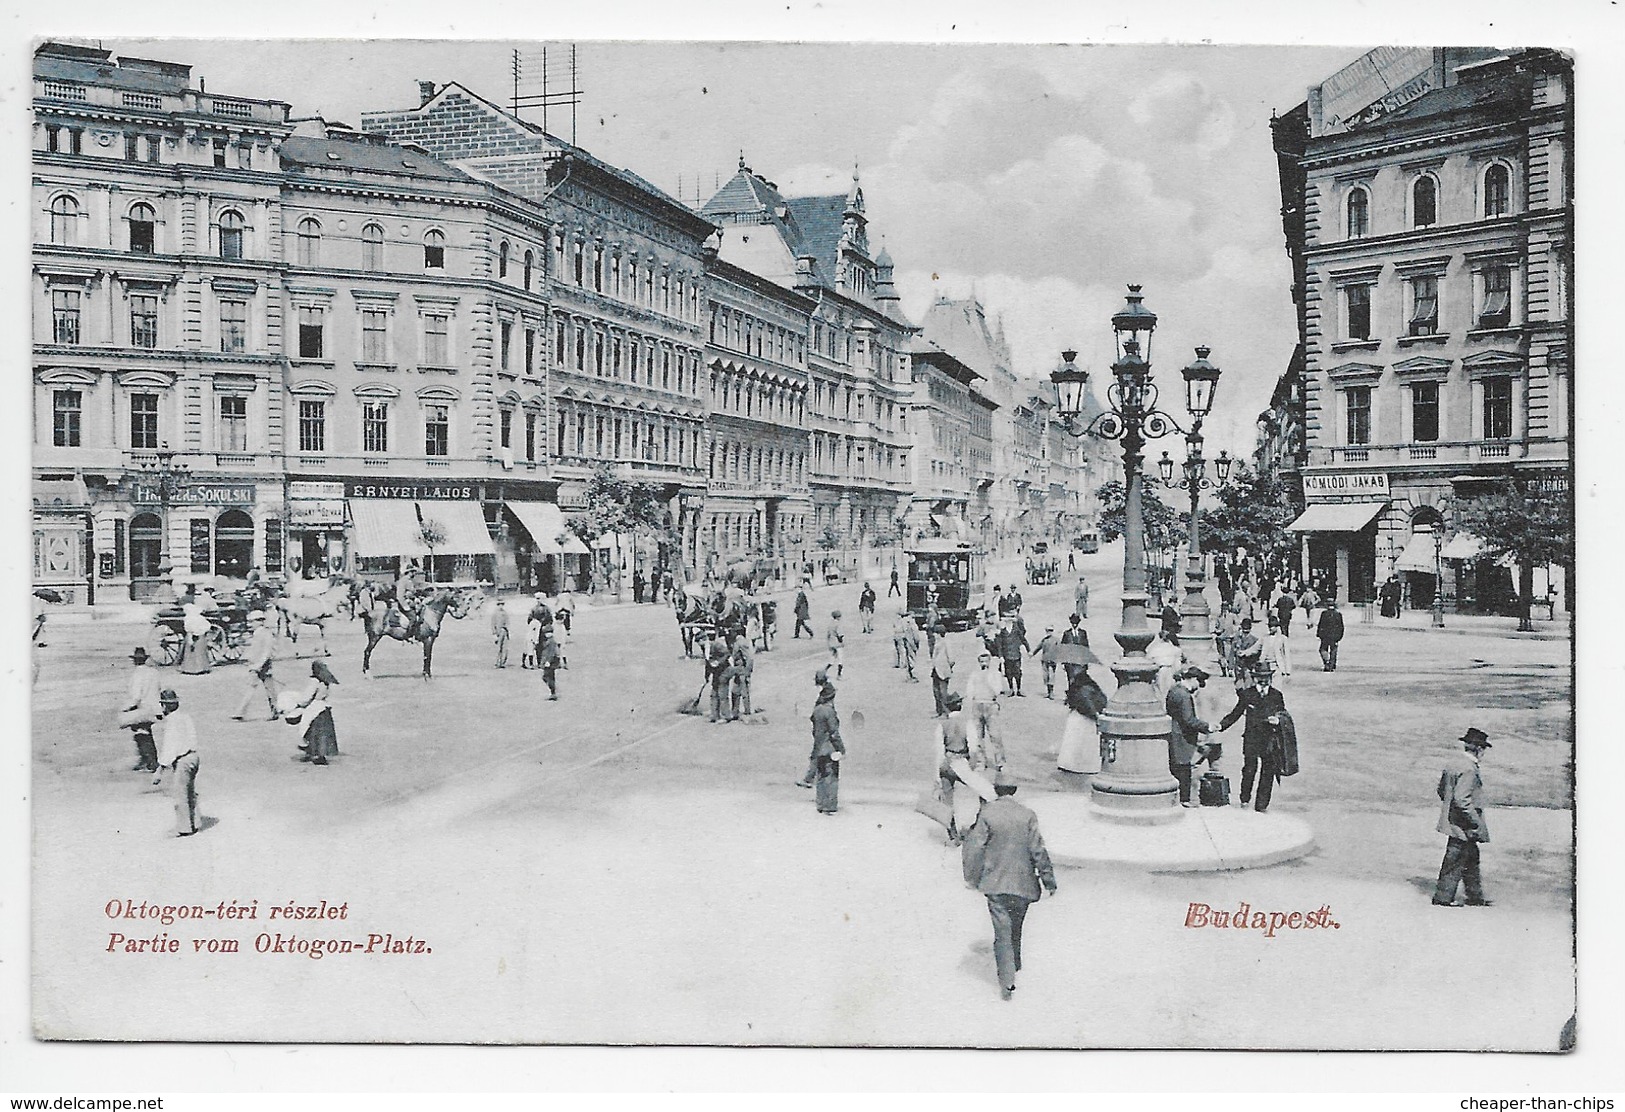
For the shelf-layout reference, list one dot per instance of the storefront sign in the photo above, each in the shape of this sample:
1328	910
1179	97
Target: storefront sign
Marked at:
416	492
572	497
1379	82
195	494
315	492
311	514
1359	485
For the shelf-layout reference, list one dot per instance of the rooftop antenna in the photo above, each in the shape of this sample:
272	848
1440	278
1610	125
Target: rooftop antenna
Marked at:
525	69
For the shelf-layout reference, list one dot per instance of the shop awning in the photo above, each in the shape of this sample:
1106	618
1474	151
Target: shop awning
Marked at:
1418	553
1462	546
463	523
544	521
385	527
61	494
1336	517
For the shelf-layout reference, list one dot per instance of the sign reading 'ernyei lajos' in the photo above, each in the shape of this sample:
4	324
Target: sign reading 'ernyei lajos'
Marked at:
413	491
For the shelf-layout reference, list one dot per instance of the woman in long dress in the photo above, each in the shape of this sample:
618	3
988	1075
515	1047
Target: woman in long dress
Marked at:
321	739
1166	652
195	648
1080	740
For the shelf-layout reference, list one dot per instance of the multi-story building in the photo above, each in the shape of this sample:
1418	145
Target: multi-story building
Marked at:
757	501
626	277
953	445
857	349
1281	448
1427	200
158	325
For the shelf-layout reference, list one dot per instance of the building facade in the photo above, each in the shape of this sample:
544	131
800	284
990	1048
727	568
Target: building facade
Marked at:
1427	199
758	501
953	445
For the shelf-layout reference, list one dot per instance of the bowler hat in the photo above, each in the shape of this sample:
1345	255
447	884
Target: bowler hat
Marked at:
1003	779
1193	671
1263	672
140	654
1476	738
167	697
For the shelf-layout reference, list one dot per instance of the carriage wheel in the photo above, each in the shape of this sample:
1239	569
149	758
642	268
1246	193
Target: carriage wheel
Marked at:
214	643
167	646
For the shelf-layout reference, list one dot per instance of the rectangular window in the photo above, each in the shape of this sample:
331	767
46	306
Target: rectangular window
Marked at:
154	143
310	332
219	147
580	263
233	423
598	269
505	331
1425	411
436	328
1498	408
581	348
530	351
65	316
1358	302
375	427
233	326
1497	311
505	429
530	434
437	430
312	425
66	408
1358	399
374	335
144	421
1424	306
132	148
144	320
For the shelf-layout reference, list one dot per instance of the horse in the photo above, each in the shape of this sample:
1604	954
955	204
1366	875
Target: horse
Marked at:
296	610
424	628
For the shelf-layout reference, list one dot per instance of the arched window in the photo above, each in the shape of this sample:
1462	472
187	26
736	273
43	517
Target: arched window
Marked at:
64	220
372	247
233	544
530	265
231	234
143	222
146	546
434	250
1424	202
309	242
1497	190
1359	213
502	260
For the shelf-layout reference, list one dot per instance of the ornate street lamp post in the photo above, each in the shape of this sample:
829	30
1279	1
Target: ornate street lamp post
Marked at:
170	480
1438	575
1201	381
1134	783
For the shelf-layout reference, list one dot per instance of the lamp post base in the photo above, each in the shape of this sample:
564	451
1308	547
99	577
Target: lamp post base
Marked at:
1134	784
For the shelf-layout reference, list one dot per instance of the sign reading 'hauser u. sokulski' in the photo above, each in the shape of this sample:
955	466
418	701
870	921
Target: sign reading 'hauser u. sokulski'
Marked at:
1353	484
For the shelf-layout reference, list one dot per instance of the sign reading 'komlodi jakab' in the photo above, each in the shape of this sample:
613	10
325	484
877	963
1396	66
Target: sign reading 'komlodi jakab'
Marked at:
1354	484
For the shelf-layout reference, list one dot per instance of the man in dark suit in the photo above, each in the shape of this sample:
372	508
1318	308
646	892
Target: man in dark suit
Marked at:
1461	816
1265	711
1330	632
1005	860
1074	635
1186	733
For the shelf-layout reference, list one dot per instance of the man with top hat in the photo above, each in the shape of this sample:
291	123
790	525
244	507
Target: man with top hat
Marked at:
1185	736
143	709
1005	859
1075	635
1262	738
1461	818
259	656
827	748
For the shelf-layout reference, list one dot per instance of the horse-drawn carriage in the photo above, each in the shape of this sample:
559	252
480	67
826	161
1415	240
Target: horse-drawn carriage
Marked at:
229	631
703	613
1043	570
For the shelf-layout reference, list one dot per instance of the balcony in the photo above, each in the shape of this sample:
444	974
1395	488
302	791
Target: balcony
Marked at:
1444	452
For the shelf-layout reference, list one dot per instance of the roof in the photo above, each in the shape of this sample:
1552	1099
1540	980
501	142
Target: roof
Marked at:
360	154
924	351
960	326
820	221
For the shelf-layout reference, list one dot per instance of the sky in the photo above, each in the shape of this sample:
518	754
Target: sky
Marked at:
1041	178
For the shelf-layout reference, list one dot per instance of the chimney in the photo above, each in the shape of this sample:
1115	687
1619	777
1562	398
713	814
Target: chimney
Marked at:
425	92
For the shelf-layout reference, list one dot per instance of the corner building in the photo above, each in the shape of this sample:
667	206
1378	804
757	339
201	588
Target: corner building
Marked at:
1427	196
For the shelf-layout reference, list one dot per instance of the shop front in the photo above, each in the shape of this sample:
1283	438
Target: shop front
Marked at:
1339	531
316	541
550	557
152	531
62	553
439	528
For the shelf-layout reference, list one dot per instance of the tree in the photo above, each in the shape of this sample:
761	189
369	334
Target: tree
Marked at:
1164	526
1531	526
1253	512
617	505
829	539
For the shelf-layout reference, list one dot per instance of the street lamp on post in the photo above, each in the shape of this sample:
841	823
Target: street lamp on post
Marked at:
1201	381
1438	575
170	478
1134	783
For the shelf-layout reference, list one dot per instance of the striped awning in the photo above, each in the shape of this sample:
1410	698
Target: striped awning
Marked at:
1336	517
463	524
1418	554
385	527
544	521
1462	546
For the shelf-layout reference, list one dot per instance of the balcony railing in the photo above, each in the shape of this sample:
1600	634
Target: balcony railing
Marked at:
1443	451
